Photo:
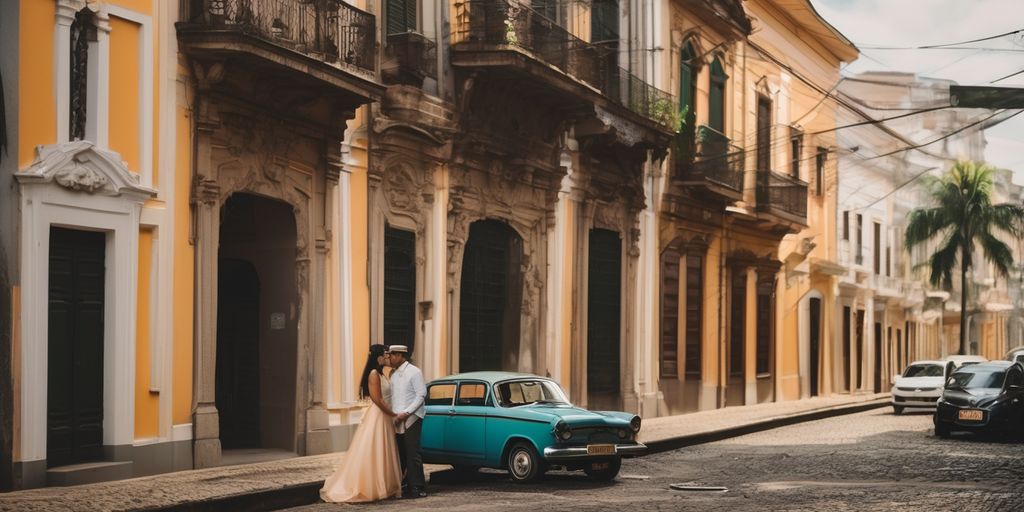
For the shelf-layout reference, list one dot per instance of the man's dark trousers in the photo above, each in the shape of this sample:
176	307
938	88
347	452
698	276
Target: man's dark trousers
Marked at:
412	460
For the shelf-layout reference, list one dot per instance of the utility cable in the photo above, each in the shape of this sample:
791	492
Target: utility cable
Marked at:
931	46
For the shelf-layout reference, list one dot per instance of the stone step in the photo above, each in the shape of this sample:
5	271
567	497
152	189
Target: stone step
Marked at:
88	472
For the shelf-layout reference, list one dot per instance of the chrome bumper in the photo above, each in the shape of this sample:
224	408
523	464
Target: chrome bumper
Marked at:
552	453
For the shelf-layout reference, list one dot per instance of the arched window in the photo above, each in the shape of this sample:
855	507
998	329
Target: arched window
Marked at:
687	82
83	32
716	97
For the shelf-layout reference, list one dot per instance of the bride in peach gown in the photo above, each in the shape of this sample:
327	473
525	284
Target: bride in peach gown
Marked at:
369	470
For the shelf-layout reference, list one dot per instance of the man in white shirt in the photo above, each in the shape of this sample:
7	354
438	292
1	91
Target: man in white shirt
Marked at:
407	396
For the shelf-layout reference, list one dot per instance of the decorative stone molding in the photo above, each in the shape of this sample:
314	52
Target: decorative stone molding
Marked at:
83	167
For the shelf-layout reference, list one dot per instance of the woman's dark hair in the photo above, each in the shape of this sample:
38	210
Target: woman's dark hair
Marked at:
376	351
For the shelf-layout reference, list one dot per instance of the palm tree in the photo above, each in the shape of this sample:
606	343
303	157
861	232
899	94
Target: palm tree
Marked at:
964	217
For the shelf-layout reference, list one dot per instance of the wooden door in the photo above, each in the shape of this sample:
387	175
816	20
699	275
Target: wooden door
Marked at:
815	342
74	428
399	288
490	298
603	317
238	354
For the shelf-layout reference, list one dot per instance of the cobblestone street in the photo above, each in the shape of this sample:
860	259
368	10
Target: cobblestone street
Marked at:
867	461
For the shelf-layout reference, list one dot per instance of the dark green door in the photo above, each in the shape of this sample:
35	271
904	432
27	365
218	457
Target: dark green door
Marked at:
490	298
238	355
74	427
603	318
399	287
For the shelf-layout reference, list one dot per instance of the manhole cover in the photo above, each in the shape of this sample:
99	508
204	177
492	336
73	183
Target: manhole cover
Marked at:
697	488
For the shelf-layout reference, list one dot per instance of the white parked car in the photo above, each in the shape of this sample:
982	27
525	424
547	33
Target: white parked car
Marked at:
920	385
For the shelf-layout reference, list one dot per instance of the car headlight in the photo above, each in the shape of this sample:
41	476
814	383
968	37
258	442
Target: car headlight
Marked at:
562	430
635	423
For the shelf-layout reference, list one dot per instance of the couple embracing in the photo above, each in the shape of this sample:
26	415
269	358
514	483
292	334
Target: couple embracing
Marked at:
384	458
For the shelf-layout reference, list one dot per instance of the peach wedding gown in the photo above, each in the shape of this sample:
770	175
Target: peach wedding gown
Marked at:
369	470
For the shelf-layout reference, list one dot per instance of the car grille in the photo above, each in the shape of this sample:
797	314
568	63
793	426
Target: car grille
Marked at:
915	399
593	435
916	389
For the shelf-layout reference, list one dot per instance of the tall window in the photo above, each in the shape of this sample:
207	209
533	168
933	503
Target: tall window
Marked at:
401	16
83	32
716	97
846	225
548	8
796	147
604	22
859	231
819	170
878	249
670	314
687	82
764	134
694	312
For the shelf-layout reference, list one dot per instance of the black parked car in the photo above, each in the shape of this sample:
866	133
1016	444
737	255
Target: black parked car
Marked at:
982	397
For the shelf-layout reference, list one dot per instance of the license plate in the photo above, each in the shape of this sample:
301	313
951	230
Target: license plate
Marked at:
971	415
600	449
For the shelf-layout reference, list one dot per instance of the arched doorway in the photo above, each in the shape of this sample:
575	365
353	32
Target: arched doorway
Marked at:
490	298
257	304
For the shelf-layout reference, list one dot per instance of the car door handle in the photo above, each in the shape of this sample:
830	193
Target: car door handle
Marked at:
451	412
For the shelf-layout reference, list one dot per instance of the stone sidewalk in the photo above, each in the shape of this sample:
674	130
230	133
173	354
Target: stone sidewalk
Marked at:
295	481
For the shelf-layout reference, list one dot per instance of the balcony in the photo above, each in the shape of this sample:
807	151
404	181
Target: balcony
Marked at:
717	165
314	44
409	59
515	38
783	197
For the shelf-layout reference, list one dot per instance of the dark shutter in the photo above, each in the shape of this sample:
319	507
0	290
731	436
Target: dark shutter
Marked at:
716	97
764	134
694	313
670	314
399	287
401	16
765	326
737	327
604	21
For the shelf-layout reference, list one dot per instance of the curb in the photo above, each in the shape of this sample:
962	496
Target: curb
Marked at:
674	443
272	499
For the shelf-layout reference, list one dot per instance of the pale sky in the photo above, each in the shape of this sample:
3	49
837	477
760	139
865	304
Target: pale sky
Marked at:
902	23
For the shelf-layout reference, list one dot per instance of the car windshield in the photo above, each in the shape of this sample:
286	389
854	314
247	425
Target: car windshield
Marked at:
522	392
923	370
976	379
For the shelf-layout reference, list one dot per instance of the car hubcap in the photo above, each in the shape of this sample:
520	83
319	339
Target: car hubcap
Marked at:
521	464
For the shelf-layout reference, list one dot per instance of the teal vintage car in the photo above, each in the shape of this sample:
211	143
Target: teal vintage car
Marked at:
522	423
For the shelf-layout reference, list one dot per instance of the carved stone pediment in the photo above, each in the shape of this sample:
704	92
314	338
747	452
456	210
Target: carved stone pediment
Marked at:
83	167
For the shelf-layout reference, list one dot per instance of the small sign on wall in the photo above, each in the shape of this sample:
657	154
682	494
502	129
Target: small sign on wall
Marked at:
276	321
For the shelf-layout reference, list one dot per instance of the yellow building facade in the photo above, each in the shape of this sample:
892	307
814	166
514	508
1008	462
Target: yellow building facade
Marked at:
217	207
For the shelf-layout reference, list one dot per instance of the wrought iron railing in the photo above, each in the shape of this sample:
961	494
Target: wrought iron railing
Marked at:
781	192
502	22
328	30
409	57
718	160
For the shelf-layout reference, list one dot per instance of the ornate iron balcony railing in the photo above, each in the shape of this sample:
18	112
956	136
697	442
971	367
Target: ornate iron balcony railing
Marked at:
506	23
782	192
718	160
327	30
409	57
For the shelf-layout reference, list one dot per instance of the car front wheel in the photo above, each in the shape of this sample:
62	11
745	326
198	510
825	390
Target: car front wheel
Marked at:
603	471
524	465
941	430
897	410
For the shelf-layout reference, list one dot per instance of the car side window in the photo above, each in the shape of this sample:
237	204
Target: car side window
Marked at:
1014	378
441	394
472	393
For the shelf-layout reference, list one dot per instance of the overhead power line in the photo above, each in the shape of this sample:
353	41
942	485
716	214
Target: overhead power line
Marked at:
933	46
946	136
